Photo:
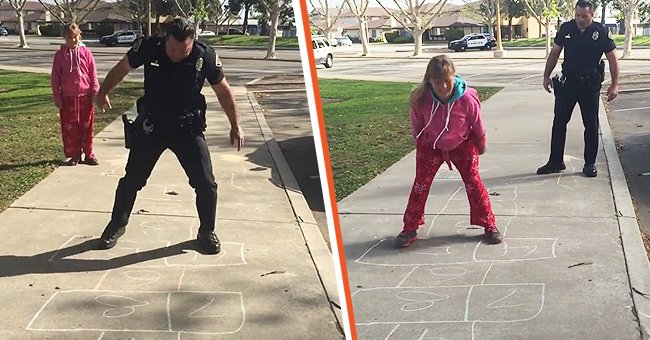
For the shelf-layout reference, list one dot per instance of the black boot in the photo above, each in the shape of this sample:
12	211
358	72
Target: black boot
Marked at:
551	168
590	170
110	236
209	242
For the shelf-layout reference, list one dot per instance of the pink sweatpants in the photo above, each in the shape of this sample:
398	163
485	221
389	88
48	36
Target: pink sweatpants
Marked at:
465	159
77	126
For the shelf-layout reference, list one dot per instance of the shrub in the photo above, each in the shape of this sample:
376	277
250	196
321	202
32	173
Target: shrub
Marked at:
390	37
103	29
50	31
454	34
403	40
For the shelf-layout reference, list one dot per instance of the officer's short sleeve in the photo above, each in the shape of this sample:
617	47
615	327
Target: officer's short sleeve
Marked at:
560	36
140	53
606	40
212	68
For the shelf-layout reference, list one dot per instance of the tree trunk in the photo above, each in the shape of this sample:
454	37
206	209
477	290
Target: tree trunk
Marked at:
247	9
510	29
548	38
275	17
629	27
21	30
417	35
603	13
363	24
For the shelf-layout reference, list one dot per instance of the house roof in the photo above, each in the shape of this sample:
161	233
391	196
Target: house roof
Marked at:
29	6
35	17
107	15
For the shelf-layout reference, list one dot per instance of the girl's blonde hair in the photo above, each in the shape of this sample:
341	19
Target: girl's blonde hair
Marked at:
70	30
440	67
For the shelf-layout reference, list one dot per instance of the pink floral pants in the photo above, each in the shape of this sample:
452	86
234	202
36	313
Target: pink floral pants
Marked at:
77	123
465	159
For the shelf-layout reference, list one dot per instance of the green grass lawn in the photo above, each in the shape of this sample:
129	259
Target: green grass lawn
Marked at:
30	130
639	40
249	40
368	128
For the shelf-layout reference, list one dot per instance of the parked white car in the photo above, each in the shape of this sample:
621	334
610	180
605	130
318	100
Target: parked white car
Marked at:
322	51
204	33
344	41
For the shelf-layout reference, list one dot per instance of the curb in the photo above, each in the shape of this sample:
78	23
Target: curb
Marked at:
636	258
316	246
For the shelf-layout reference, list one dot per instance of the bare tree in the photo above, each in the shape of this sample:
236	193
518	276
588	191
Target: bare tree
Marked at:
18	6
484	10
71	10
220	13
416	17
543	11
359	8
629	9
136	8
274	8
329	18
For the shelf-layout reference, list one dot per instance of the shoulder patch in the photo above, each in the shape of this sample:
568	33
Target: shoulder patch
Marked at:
199	64
595	35
136	45
609	35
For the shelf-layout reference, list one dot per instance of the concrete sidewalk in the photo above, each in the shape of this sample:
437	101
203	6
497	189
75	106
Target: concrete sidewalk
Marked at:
274	278
572	264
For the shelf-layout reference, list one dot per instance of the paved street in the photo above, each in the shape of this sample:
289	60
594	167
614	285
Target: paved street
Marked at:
630	122
284	102
240	65
478	67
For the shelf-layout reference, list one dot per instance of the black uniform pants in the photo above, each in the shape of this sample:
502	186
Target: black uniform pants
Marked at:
566	97
192	153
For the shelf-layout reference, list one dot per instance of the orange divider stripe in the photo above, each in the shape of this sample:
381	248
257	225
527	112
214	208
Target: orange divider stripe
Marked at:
328	168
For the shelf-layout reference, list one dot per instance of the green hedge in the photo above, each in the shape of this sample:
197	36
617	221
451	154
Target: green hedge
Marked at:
454	34
50	31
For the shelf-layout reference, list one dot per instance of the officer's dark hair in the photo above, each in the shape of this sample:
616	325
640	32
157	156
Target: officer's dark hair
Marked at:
180	29
585	4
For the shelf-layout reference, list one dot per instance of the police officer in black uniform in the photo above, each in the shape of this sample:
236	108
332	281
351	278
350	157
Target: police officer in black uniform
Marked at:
171	115
584	42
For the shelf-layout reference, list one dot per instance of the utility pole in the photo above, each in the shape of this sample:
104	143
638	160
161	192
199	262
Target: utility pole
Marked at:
499	52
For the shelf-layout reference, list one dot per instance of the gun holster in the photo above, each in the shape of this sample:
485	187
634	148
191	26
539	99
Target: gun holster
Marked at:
558	84
601	70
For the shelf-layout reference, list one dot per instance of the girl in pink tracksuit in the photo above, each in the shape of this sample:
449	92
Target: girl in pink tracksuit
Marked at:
447	126
74	85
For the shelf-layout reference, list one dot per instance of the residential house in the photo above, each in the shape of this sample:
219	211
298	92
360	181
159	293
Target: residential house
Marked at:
33	15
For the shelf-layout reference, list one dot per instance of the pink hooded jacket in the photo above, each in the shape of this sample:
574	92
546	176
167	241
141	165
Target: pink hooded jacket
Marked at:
444	126
74	73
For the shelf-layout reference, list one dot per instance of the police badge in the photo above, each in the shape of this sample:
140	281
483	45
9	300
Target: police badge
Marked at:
609	35
595	35
199	65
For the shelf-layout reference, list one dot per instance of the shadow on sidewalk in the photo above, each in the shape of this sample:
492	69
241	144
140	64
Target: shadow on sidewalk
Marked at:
430	245
56	261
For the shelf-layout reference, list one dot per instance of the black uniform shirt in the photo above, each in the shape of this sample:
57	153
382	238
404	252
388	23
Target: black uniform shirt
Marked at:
173	87
583	50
